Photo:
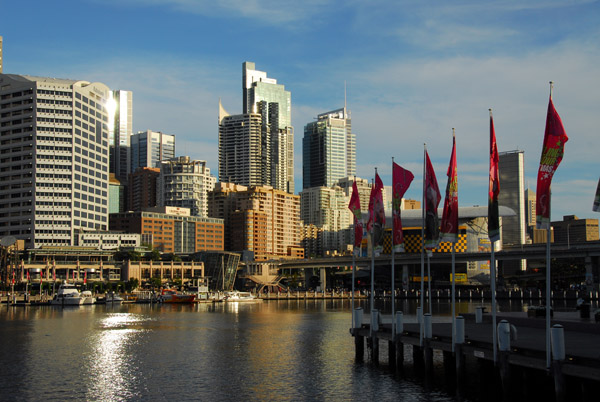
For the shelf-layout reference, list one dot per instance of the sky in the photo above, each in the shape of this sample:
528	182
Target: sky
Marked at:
413	71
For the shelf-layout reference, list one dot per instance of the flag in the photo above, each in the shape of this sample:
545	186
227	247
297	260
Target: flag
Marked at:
449	227
494	187
401	179
28	278
354	206
376	221
597	198
13	279
552	154
85	277
54	274
432	200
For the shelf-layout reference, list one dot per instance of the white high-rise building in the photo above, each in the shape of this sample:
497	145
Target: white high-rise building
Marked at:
184	182
55	158
256	148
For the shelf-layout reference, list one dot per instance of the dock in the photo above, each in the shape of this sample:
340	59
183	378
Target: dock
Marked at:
520	365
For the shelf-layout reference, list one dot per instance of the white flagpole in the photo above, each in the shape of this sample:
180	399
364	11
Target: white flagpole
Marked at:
373	258
548	276
493	290
453	297
429	279
393	261
353	269
422	246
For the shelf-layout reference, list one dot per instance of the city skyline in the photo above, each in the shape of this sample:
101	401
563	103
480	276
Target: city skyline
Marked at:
413	72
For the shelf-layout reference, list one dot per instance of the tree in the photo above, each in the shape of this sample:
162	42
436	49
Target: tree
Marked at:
155	282
154	255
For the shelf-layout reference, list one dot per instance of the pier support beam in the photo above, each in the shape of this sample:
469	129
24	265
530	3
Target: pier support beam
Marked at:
428	351
504	353
392	355
459	355
359	347
558	357
399	345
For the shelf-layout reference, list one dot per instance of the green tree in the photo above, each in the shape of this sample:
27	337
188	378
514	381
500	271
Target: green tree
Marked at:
155	282
131	284
154	255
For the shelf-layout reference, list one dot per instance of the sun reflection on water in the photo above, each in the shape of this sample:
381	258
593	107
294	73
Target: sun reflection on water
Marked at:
112	368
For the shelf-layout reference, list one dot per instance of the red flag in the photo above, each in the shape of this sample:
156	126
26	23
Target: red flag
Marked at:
354	206
401	179
376	221
54	274
449	227
494	187
552	154
85	277
13	279
432	200
28	278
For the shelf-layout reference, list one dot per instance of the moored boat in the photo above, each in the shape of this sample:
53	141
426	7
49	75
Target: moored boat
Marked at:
87	297
236	296
67	295
173	296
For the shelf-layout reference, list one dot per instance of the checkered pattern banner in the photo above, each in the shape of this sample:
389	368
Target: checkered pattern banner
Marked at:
412	242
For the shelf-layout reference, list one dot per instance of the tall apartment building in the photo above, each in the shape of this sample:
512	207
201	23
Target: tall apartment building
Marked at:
184	182
149	148
117	195
327	209
364	190
263	220
256	147
55	157
120	126
141	191
328	149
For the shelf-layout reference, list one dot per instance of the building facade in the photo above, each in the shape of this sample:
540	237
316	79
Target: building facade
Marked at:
142	189
572	230
327	209
117	195
149	148
256	148
263	220
512	195
328	149
120	126
184	182
54	169
172	229
108	240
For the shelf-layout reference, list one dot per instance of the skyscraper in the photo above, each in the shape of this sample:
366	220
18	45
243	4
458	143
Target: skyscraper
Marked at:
257	147
328	149
120	126
149	148
54	164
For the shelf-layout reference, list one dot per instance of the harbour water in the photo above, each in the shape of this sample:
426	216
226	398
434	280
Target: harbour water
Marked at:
276	350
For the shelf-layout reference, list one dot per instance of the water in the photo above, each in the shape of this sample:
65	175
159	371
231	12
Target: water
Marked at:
275	350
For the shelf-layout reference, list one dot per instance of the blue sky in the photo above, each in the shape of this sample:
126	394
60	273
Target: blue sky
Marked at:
413	70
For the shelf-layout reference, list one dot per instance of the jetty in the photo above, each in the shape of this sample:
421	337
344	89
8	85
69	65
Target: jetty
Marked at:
517	370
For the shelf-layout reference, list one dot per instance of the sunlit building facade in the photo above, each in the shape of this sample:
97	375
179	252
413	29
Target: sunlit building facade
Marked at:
328	149
149	148
120	128
55	159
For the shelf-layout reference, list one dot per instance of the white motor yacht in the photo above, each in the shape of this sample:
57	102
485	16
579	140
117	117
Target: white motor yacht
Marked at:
88	298
236	296
67	295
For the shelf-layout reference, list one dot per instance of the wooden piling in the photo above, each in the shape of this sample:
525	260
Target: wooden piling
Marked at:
505	377
392	355
399	355
359	347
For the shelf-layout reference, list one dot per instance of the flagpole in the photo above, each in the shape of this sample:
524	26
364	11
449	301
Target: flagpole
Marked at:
453	279
373	261
548	274
393	262
353	265
420	318
493	290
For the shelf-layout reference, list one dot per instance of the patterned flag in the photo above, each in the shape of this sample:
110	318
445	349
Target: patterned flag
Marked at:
432	200
597	198
449	227
494	187
552	154
354	206
401	179
376	221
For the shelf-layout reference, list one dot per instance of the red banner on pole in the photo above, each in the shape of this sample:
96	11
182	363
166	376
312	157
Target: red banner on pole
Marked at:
494	187
432	200
401	179
449	227
354	206
552	154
